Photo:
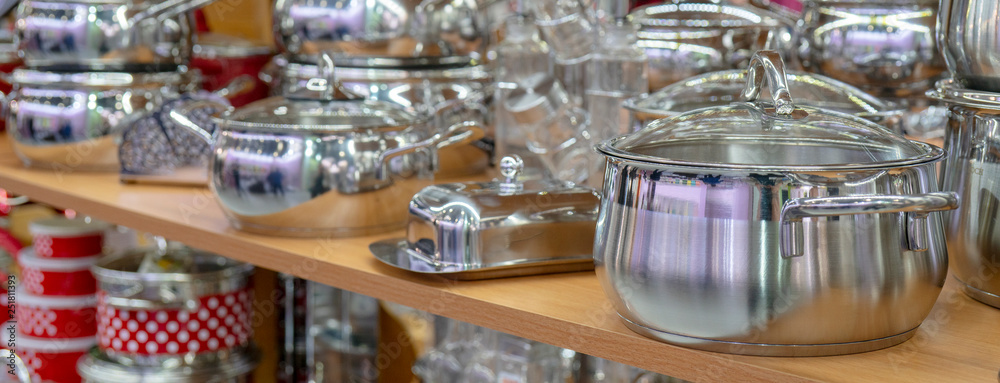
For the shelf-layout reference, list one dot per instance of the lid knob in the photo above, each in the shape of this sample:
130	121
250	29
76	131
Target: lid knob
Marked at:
325	84
510	167
768	64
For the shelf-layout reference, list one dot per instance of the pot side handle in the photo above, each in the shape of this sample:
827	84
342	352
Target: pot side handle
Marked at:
916	207
179	116
457	134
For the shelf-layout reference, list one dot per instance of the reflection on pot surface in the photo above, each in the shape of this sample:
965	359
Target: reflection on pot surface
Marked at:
872	44
968	38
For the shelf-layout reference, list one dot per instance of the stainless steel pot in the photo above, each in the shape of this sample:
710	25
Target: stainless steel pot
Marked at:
971	170
403	29
106	35
70	121
882	46
967	31
691	37
771	228
277	163
722	88
95	367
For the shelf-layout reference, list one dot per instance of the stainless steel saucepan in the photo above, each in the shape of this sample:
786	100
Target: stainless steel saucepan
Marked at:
770	228
322	160
106	35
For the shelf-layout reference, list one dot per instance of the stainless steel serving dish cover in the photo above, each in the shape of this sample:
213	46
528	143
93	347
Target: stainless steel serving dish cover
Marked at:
724	87
887	47
971	170
690	37
770	228
107	35
496	229
70	121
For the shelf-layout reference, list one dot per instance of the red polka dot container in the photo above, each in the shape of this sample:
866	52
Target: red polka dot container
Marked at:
198	312
50	276
61	237
56	317
50	360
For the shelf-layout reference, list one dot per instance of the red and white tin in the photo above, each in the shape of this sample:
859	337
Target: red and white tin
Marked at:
62	237
56	317
183	304
51	276
53	360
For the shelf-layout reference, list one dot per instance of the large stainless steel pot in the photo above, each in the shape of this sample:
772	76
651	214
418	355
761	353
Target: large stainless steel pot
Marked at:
722	88
70	121
691	37
107	35
967	33
972	169
300	165
404	29
887	47
771	229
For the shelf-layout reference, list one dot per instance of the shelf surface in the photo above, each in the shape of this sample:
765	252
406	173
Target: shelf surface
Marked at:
960	340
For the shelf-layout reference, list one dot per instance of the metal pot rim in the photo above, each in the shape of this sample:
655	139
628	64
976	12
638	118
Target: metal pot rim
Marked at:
607	148
105	274
225	122
97	366
645	17
950	91
100	79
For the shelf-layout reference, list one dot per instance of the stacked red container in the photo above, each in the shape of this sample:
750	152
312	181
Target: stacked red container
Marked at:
56	301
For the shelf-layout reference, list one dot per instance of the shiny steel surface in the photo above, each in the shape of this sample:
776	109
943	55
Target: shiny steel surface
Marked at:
95	367
968	36
381	28
972	169
105	35
496	229
693	37
879	45
69	122
723	249
724	87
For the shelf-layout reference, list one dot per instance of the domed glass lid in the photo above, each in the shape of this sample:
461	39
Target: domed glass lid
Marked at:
322	105
769	136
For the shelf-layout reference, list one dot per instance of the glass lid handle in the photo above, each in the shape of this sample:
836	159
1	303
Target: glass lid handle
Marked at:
326	84
768	64
510	168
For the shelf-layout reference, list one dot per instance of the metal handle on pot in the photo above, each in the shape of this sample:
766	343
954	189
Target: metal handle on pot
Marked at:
179	116
457	134
916	208
768	64
166	9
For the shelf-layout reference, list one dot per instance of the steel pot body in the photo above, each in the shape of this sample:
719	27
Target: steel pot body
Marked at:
967	33
694	257
95	367
70	121
694	37
882	46
971	170
106	35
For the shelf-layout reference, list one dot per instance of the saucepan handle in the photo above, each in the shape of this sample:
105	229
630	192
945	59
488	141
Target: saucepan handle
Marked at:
916	207
457	134
179	116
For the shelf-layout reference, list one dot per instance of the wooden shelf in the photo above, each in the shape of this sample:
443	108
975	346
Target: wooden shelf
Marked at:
960	341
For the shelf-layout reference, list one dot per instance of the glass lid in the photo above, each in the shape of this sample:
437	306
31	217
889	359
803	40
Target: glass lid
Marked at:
779	135
321	105
724	87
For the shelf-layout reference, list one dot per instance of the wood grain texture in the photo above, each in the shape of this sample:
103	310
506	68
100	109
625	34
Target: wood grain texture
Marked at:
960	341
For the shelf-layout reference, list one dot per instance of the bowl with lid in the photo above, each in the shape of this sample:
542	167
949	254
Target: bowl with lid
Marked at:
298	165
770	228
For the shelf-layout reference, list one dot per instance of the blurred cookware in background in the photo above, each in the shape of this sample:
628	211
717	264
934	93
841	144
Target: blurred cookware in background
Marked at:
278	161
106	35
221	59
690	37
971	168
967	33
724	87
710	219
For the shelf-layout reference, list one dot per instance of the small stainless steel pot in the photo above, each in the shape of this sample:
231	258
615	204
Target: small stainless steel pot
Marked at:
691	37
967	33
881	46
279	161
722	88
771	229
70	121
971	170
405	29
106	35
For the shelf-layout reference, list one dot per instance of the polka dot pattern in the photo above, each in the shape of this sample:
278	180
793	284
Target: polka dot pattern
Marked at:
219	322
